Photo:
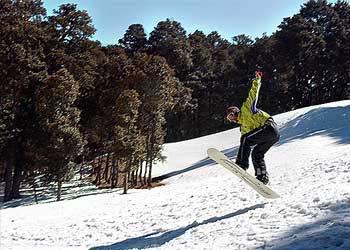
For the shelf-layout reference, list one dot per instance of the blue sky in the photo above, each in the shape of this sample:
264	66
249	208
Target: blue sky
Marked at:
229	18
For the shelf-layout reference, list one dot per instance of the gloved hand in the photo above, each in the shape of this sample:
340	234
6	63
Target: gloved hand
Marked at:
258	74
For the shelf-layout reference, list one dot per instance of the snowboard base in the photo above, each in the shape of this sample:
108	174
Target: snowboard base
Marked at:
258	186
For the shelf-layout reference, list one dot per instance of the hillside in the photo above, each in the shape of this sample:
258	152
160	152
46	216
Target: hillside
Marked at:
203	206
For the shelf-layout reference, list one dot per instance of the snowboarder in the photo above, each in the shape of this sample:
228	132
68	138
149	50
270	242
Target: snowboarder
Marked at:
257	129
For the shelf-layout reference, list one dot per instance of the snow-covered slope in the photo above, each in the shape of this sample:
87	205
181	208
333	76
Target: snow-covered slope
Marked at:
203	206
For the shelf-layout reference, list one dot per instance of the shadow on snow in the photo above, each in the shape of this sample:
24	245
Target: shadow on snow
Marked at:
331	232
158	239
328	121
202	163
48	195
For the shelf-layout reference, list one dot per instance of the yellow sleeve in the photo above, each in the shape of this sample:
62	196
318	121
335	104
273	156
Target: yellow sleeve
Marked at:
252	99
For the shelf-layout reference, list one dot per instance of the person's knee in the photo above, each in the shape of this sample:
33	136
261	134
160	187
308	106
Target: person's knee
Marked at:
276	136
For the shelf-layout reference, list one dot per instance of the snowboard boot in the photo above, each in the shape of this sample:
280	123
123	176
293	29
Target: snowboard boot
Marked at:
263	178
262	175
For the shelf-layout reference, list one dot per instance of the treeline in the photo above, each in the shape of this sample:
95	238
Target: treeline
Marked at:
67	100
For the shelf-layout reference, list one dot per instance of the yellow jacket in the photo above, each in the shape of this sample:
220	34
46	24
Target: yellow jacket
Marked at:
250	117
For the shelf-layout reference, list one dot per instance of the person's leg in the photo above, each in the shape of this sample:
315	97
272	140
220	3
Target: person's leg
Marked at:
265	139
247	141
258	156
243	153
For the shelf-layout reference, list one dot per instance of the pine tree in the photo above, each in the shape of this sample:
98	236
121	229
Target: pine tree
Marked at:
23	68
70	30
168	39
59	119
159	92
134	39
127	141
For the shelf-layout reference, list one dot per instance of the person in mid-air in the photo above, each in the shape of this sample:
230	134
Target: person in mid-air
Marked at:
257	129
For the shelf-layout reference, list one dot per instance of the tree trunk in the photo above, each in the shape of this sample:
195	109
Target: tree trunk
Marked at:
59	189
145	173
117	173
127	176
131	178
59	185
109	180
196	123
114	180
81	168
149	180
151	153
125	183
34	189
35	195
98	172
95	170
134	179
107	168
140	174
100	163
17	174
8	180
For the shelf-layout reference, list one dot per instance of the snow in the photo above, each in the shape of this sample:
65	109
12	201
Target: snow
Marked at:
203	206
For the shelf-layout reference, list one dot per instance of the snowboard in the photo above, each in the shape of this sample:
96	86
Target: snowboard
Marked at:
258	186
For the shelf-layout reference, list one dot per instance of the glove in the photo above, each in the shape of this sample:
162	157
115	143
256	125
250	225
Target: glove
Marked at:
258	74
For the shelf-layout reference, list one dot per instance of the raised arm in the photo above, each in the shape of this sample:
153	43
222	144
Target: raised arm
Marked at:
253	94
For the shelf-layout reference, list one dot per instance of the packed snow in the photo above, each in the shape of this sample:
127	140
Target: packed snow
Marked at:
204	206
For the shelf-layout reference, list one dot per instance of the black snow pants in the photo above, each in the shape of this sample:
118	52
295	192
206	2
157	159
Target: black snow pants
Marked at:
262	139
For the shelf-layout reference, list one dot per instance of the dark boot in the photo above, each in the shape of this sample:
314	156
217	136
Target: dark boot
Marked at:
262	175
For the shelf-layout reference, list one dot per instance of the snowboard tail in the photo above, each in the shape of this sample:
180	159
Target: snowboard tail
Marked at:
258	186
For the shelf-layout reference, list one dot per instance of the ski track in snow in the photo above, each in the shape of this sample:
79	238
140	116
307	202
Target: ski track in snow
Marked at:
203	206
